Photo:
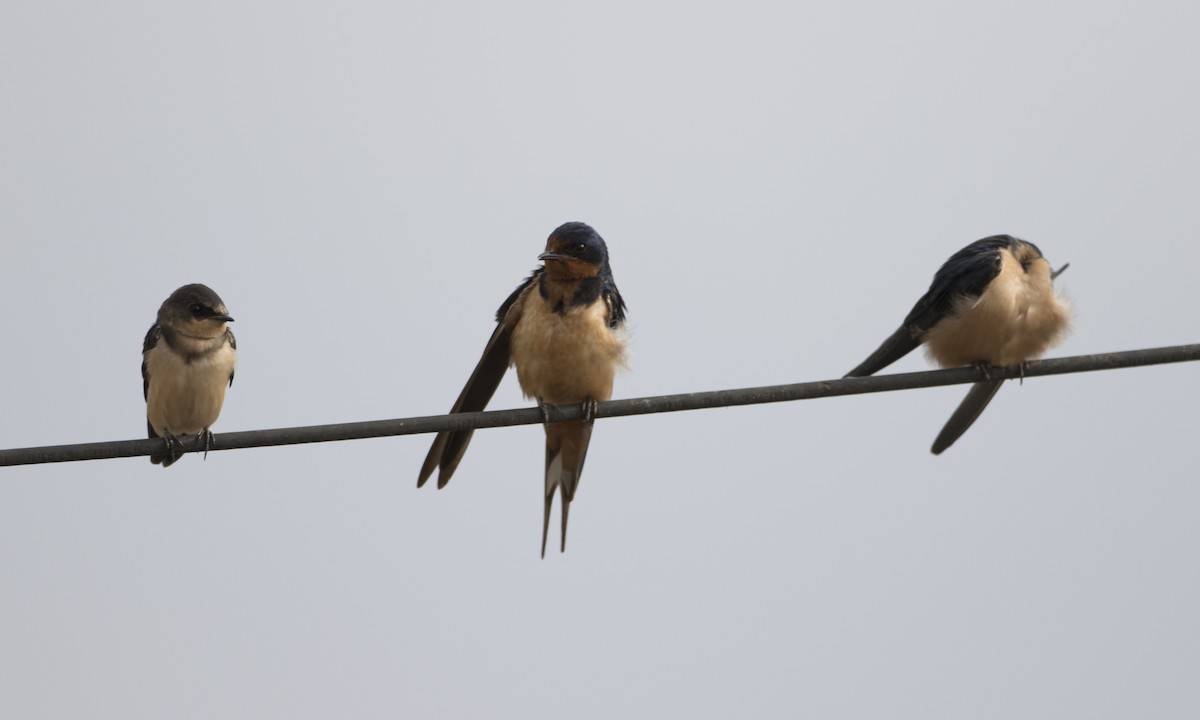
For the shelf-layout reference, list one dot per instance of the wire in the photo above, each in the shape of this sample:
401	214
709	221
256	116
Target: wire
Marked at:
611	408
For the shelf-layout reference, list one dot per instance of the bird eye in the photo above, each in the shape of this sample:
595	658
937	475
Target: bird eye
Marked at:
196	308
580	247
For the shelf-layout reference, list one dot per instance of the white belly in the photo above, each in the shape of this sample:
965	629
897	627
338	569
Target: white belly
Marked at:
185	398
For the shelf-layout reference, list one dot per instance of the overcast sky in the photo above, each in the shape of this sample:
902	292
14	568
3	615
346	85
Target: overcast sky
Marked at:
363	183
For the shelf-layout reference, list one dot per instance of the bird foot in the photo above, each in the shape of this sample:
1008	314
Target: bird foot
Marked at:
984	368
172	444
589	411
207	436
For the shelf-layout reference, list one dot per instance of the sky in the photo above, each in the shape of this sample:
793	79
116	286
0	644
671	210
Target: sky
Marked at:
364	183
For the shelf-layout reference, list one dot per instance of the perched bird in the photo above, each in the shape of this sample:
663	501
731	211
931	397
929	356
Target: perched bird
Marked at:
188	359
992	303
563	330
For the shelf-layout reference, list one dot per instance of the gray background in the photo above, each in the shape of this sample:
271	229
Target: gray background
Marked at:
365	182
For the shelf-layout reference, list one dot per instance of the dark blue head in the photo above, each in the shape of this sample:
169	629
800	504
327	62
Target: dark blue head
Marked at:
576	244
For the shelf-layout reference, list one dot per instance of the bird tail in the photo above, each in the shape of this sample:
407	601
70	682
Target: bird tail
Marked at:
566	448
978	397
165	459
899	344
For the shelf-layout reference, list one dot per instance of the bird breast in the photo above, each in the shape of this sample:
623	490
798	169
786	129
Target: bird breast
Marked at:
566	357
1016	318
186	397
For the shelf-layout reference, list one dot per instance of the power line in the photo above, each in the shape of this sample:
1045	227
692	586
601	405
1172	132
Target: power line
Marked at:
612	408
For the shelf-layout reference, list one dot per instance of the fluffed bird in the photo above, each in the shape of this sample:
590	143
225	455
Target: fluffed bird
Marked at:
991	303
563	330
188	359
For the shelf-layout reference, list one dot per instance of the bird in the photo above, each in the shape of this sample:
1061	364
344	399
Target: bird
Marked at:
992	303
188	360
563	329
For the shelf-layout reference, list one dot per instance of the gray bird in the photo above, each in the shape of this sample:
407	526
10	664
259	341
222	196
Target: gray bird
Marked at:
991	303
188	359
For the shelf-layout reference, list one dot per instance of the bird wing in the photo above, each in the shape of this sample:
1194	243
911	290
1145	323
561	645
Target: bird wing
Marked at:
232	344
449	446
898	344
966	274
615	303
149	344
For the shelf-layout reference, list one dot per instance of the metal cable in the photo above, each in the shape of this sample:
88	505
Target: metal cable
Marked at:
612	408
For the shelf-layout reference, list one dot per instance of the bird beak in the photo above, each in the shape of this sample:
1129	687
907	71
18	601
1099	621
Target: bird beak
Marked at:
553	256
222	318
1059	271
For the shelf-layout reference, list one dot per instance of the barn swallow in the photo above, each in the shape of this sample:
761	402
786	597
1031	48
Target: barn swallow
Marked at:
188	359
992	303
563	330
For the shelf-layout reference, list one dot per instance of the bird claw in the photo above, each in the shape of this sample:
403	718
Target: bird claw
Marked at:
986	370
589	411
172	445
207	436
